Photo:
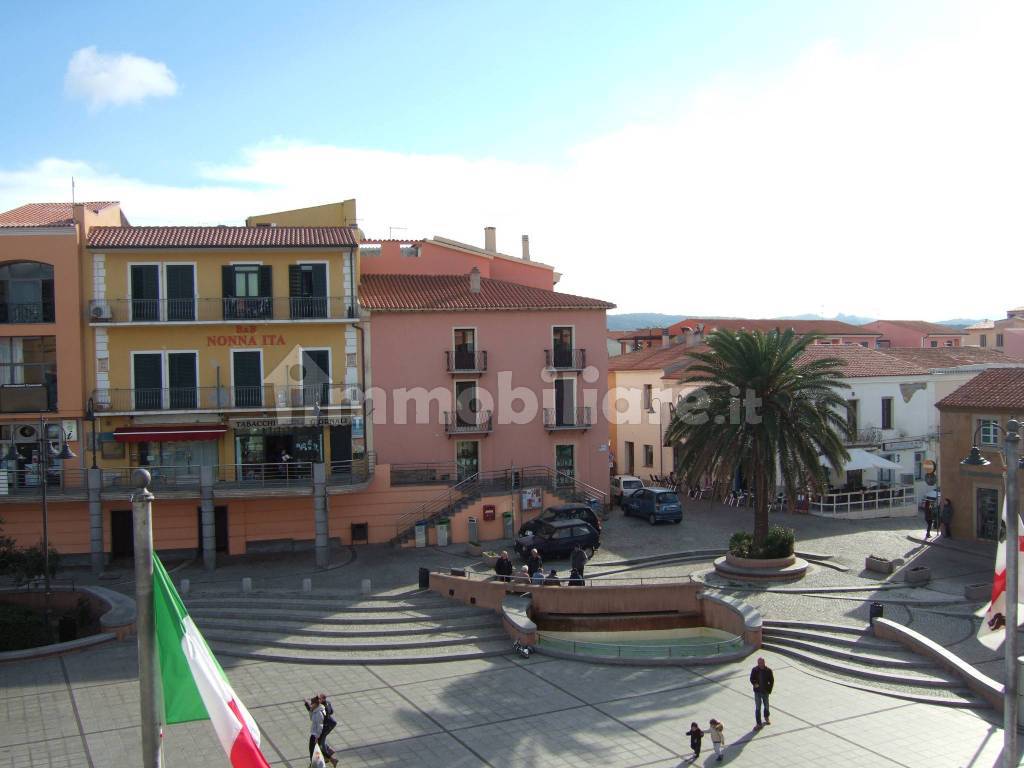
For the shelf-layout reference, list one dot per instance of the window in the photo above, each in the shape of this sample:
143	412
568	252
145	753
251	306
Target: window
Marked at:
565	464
988	431
883	344
649	397
983	340
26	293
986	513
630	458
307	289
316	377
948	344
648	455
247	378
369	249
886	413
28	374
466	403
935	343
565	402
863	343
145	292
464	342
247	292
999	339
561	342
163	380
409	250
181	291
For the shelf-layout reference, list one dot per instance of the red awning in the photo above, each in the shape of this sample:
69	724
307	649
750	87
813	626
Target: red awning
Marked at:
169	434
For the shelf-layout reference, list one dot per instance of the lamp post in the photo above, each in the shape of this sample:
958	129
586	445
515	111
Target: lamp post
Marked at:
47	453
1011	457
661	441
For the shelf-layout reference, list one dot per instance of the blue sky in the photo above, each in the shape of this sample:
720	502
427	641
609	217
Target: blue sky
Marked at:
479	93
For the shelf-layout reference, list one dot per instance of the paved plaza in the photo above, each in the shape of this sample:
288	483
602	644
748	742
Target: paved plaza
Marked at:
82	709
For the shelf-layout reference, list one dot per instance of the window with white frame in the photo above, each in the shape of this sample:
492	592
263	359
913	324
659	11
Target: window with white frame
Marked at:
988	431
648	455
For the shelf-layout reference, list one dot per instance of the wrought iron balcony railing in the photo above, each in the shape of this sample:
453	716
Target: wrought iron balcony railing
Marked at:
565	359
30	312
467	423
458	361
568	418
229	310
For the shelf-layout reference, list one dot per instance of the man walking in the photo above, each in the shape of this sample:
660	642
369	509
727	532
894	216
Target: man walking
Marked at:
578	560
533	562
503	567
947	517
762	679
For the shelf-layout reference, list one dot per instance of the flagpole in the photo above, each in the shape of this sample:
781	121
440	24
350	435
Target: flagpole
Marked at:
145	625
1011	703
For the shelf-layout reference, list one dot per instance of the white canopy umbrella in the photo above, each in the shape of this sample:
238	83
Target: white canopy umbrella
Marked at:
861	459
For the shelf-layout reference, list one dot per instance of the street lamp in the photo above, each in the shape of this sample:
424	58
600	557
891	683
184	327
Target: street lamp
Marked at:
1011	458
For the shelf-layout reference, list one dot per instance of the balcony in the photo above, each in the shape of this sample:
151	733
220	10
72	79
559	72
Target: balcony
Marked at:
468	423
558	419
864	436
564	359
459	362
225	310
245	398
33	312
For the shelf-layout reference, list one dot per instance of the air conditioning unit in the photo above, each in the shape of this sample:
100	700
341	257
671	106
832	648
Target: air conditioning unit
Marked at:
100	312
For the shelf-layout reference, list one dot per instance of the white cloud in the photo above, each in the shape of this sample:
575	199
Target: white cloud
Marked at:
871	182
116	78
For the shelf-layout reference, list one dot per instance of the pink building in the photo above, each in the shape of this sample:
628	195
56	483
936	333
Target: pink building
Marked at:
915	333
694	330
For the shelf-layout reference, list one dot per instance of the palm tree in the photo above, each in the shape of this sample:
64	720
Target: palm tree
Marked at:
786	434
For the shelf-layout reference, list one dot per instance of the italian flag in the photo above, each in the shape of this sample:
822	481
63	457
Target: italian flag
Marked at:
992	631
194	685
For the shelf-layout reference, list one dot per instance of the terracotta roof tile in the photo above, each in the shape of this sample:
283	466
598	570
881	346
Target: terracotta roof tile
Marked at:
921	326
997	388
951	357
221	237
828	327
656	358
45	214
450	293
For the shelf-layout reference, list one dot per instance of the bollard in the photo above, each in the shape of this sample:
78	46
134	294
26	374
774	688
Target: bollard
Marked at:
185	585
307	585
366	586
247	584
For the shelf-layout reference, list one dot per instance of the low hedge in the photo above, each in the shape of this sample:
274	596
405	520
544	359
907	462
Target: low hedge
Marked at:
778	543
20	628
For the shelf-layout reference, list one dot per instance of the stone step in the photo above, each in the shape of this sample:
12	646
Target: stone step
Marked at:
944	697
261	615
843	629
875	673
906	659
468	650
861	642
333	605
330	644
344	629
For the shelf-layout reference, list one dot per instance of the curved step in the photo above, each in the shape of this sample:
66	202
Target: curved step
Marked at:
325	605
261	616
862	642
358	630
955	697
843	629
392	656
330	644
894	677
868	659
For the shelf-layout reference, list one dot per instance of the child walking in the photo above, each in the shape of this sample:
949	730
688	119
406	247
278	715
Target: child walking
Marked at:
717	731
695	734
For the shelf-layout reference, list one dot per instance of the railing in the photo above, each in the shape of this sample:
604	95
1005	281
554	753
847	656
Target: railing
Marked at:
284	474
440	505
563	359
233	309
28	481
28	398
866	436
353	471
468	423
425	473
465	362
683	648
184	398
167	478
571	418
32	312
844	502
324	394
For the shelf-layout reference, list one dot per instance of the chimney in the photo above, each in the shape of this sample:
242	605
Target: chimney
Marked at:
526	247
666	340
490	240
474	279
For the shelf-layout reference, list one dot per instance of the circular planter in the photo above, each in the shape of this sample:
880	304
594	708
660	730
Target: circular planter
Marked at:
778	569
918	574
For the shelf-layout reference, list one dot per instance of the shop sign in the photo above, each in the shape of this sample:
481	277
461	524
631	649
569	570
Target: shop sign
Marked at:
902	445
245	336
290	421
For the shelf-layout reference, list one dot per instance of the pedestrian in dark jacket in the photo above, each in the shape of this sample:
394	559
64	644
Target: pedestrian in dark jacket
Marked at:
575	580
533	562
762	679
578	559
695	734
947	517
552	579
929	518
503	567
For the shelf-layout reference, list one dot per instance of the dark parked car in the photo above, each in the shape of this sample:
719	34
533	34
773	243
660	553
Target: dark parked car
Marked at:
656	504
562	512
559	538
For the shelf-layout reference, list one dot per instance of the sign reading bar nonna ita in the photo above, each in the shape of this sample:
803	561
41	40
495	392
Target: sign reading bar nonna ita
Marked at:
902	445
291	421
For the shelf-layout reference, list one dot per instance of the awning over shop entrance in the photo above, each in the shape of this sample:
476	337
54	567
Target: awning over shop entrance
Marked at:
861	459
169	434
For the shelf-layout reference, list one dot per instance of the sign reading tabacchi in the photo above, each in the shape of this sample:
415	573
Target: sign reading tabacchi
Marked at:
245	336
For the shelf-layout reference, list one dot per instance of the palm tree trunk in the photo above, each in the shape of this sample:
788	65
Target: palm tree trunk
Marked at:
760	507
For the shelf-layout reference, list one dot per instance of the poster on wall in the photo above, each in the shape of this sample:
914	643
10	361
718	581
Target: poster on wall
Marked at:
531	498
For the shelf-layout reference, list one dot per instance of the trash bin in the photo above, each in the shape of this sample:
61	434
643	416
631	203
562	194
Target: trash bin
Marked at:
875	612
424	578
443	533
67	629
421	534
474	531
506	525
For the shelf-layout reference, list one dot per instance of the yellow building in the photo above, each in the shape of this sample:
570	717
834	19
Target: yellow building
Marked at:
341	214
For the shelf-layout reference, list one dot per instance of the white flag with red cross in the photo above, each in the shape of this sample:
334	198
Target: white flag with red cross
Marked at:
993	627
